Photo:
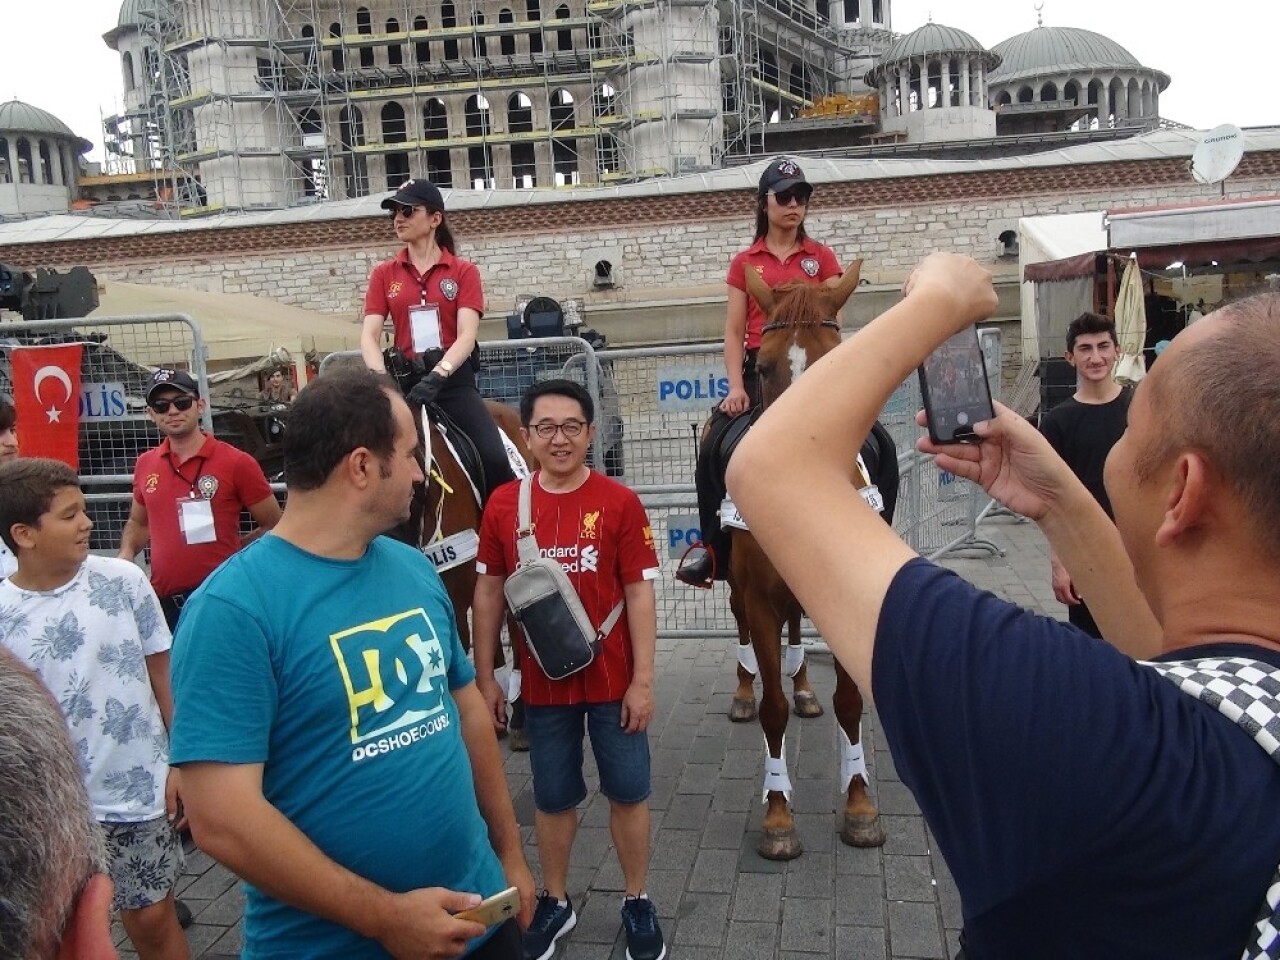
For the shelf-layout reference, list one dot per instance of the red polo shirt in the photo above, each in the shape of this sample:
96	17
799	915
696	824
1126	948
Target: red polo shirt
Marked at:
229	477
395	285
812	261
602	538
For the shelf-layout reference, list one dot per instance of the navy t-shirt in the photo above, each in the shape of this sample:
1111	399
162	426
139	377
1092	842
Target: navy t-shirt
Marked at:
1086	806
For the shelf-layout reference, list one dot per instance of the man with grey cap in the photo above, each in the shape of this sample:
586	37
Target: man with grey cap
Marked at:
435	302
188	494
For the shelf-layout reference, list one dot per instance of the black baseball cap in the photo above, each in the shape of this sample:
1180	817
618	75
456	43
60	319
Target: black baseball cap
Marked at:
416	193
177	379
783	174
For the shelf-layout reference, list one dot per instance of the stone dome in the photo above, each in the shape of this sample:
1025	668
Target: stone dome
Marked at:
931	40
19	117
1043	51
136	13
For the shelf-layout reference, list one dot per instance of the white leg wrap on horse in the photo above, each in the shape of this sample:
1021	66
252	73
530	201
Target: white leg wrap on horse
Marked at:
513	686
793	659
775	773
747	658
852	762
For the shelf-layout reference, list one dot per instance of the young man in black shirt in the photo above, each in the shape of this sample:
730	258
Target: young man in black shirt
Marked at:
1083	429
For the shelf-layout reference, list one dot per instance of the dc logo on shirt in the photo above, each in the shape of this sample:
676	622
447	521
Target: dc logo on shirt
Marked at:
389	668
809	266
449	287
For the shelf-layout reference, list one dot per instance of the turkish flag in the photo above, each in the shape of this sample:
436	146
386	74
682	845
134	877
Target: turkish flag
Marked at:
46	394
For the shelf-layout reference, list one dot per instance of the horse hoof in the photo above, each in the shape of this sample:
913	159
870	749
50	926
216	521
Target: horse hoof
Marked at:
743	709
806	704
517	740
863	831
779	844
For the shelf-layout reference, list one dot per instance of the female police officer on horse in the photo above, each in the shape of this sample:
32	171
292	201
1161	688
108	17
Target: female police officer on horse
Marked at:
435	301
781	251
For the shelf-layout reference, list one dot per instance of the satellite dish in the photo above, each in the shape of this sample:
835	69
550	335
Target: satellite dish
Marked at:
1218	154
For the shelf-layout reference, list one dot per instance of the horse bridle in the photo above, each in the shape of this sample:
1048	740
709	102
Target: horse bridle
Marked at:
792	324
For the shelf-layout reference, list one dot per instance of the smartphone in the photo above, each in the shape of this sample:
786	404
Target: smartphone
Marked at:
953	384
498	908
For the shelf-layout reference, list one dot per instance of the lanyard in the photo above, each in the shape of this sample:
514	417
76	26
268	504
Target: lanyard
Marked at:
177	472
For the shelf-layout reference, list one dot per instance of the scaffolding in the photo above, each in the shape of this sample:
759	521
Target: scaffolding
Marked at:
264	104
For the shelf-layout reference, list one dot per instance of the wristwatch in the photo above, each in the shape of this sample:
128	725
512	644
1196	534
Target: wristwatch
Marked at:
446	366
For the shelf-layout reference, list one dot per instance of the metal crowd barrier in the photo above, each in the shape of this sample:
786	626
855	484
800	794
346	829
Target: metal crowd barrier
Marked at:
118	356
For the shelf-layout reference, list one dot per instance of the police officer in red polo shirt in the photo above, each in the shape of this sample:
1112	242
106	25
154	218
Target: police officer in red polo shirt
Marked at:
435	302
781	251
188	493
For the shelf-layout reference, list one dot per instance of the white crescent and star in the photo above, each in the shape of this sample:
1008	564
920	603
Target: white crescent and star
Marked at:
57	373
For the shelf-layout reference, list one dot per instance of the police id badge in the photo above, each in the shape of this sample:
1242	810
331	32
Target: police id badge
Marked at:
810	266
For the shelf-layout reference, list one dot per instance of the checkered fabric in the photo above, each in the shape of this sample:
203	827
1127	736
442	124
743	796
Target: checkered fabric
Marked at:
1248	693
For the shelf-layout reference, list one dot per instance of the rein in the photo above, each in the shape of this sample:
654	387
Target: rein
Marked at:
794	324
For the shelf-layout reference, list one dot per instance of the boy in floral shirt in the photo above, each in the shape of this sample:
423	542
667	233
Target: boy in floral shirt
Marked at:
91	627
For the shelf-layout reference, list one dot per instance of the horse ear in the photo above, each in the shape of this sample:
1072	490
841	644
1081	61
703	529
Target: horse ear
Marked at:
759	290
840	289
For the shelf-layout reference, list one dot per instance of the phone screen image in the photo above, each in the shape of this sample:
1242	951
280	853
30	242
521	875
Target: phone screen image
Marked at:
953	385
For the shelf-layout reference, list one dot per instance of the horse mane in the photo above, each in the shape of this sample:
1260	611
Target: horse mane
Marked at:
800	303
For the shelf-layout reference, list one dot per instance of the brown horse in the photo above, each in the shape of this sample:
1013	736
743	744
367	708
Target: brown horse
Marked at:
446	508
801	328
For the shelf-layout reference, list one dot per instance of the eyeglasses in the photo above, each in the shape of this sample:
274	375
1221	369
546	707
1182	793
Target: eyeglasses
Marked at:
162	406
402	209
570	428
792	195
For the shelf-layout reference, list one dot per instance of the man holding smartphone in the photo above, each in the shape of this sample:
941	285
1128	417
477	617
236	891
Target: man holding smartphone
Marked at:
1082	430
1086	805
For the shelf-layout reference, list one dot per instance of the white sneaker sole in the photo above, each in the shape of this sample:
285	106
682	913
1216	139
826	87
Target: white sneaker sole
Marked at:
569	925
629	957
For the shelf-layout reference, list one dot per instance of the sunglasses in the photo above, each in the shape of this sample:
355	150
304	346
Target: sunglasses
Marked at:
792	194
402	209
181	403
570	428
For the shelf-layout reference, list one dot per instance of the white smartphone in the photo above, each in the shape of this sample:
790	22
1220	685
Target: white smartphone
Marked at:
496	909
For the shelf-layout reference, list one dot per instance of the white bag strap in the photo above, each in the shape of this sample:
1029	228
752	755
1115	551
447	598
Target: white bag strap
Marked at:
527	549
1247	692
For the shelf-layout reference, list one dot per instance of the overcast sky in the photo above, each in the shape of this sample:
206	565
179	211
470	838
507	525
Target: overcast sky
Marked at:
1221	55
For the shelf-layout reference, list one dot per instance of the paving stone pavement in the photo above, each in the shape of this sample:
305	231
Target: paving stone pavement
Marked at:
716	898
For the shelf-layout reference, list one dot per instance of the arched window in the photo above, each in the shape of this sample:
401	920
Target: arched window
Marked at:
449	18
524	166
6	175
351	134
309	33
421	48
435	120
1071	92
519	114
393	125
562	110
24	161
533	11
46	162
506	42
395	52
1049	92
126	64
1097	98
1026	95
364	24
564	37
477	116
335	32
478	43
310	126
1003	97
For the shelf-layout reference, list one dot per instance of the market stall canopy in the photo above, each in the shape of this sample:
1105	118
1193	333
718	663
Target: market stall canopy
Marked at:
237	328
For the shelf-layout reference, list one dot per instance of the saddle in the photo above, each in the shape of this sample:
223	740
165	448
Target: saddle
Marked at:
879	454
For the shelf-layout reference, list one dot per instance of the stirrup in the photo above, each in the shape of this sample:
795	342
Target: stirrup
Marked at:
710	581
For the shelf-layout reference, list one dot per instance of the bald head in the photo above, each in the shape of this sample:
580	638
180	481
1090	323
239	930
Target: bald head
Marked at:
1217	388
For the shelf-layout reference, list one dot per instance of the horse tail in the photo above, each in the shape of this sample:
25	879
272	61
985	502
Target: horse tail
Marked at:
885	473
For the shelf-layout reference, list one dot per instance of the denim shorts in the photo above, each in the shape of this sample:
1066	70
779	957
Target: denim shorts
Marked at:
144	860
555	754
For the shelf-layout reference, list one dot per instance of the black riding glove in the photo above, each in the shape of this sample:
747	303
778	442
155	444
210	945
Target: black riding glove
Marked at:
427	389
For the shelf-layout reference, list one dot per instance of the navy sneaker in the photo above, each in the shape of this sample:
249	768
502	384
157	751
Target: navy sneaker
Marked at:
551	921
644	936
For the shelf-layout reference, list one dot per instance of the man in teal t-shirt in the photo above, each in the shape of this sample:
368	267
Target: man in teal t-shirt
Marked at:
334	750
